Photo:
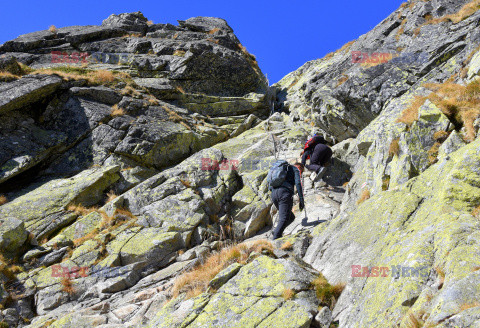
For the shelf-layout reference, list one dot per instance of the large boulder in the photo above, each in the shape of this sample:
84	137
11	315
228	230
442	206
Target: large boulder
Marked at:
258	302
12	234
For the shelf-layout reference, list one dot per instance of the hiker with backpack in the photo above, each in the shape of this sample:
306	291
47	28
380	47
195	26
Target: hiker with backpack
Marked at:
282	179
319	154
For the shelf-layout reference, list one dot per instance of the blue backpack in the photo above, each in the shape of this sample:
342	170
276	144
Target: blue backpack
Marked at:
277	174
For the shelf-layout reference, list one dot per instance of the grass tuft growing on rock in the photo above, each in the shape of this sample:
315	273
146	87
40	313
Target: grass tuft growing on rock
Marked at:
288	294
460	103
394	148
52	29
67	286
93	77
196	281
363	196
3	200
326	293
117	111
81	210
286	246
476	212
467	306
410	114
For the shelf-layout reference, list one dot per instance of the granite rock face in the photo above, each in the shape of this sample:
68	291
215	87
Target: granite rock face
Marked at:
134	156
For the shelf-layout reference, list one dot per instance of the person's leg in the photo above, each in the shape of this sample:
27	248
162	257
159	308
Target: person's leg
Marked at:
306	154
314	167
325	156
285	204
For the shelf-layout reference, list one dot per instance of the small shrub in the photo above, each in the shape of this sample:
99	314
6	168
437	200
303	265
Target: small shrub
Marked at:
52	29
326	293
287	246
3	200
150	23
117	111
67	286
363	196
288	294
394	148
3	324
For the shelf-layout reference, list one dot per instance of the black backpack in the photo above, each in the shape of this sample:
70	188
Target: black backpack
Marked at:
277	174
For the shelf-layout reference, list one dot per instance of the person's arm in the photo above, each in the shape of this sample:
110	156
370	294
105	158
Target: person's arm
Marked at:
298	184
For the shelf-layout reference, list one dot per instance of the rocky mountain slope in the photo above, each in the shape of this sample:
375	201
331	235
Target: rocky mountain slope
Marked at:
133	177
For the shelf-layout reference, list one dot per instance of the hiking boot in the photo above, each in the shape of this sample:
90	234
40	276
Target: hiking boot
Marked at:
319	174
313	176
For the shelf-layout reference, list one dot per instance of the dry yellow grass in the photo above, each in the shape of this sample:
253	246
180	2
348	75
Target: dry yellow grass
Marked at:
326	293
111	196
150	23
52	29
130	91
410	114
117	111
3	200
441	275
179	53
81	210
413	321
344	78
460	103
91	235
76	73
433	153
172	115
196	281
286	246
401	29
394	148
363	196
67	286
180	89
152	100
288	294
467	306
7	76
214	30
476	212
466	11
440	136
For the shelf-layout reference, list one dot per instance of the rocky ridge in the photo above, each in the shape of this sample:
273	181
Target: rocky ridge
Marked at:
123	173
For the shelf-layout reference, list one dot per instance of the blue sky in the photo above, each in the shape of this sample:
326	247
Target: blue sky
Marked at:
283	35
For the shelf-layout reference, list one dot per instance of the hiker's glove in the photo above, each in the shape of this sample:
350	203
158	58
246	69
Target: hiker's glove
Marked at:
302	205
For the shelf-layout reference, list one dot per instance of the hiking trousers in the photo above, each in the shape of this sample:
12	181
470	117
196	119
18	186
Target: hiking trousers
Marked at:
320	156
283	200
